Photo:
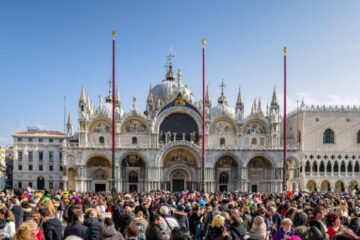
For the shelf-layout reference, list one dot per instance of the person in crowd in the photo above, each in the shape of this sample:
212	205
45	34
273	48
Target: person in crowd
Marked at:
318	222
51	225
237	230
286	231
126	218
7	222
195	222
258	229
109	232
26	231
92	221
76	228
217	229
169	222
17	210
154	231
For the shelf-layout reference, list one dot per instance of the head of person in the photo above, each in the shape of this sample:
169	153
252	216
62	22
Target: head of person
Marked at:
78	216
180	234
218	221
158	220
26	231
108	222
271	211
318	214
164	210
286	224
132	230
258	226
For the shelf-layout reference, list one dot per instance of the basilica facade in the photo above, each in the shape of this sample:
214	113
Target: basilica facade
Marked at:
160	146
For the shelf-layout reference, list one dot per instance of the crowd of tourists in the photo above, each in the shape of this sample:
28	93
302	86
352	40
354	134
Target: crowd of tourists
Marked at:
156	215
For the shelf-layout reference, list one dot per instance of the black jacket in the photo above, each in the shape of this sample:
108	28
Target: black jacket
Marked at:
52	229
194	219
76	229
154	232
94	231
237	231
215	233
18	214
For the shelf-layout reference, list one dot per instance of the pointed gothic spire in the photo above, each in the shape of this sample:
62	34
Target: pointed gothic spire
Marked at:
274	101
239	101
69	120
117	96
255	108
150	98
82	96
207	97
259	110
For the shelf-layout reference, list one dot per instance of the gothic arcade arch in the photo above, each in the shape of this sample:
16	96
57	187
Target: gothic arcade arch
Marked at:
226	173
133	172
260	173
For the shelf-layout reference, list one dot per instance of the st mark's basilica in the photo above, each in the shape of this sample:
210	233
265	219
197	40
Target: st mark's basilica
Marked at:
160	146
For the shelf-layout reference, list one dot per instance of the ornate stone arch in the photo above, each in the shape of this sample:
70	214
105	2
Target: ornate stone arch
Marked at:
254	123
222	125
100	125
128	153
222	154
177	144
179	109
263	155
134	124
97	154
311	184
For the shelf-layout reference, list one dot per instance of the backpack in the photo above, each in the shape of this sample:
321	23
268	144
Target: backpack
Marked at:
142	231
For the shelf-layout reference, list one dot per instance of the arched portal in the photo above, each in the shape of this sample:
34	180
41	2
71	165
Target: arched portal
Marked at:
226	172
339	186
260	174
40	182
98	172
71	175
325	186
133	173
184	162
179	126
311	186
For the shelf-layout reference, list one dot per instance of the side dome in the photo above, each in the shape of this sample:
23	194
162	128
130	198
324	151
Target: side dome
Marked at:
222	109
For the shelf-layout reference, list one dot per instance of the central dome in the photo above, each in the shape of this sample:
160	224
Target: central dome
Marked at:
168	89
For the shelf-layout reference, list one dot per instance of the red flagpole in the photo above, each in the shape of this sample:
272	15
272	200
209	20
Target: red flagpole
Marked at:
203	42
284	125
113	188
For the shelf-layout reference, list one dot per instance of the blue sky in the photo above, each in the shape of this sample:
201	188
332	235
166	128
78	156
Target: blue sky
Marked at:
50	49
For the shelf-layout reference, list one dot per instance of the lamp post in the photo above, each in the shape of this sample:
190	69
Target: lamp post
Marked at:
113	188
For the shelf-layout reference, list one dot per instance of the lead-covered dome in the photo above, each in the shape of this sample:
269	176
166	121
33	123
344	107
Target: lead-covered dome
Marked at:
222	109
168	89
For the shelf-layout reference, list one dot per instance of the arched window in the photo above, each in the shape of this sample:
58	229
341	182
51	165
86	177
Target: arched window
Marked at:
134	140
307	166
358	137
328	136
224	178
342	167
349	167
328	167
357	168
322	167
222	141
101	140
336	167
254	141
133	177
315	167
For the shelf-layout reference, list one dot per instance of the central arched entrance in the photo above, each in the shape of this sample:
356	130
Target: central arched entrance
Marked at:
133	173
260	173
98	174
181	170
226	172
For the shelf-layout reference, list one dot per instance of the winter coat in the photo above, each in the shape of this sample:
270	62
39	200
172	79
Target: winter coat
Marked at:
169	224
52	229
355	225
215	233
237	231
8	230
75	229
125	221
319	226
194	220
94	231
154	232
116	216
110	233
279	235
18	214
182	219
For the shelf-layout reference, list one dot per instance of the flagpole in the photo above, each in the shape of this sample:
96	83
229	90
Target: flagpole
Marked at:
113	188
284	125
203	42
